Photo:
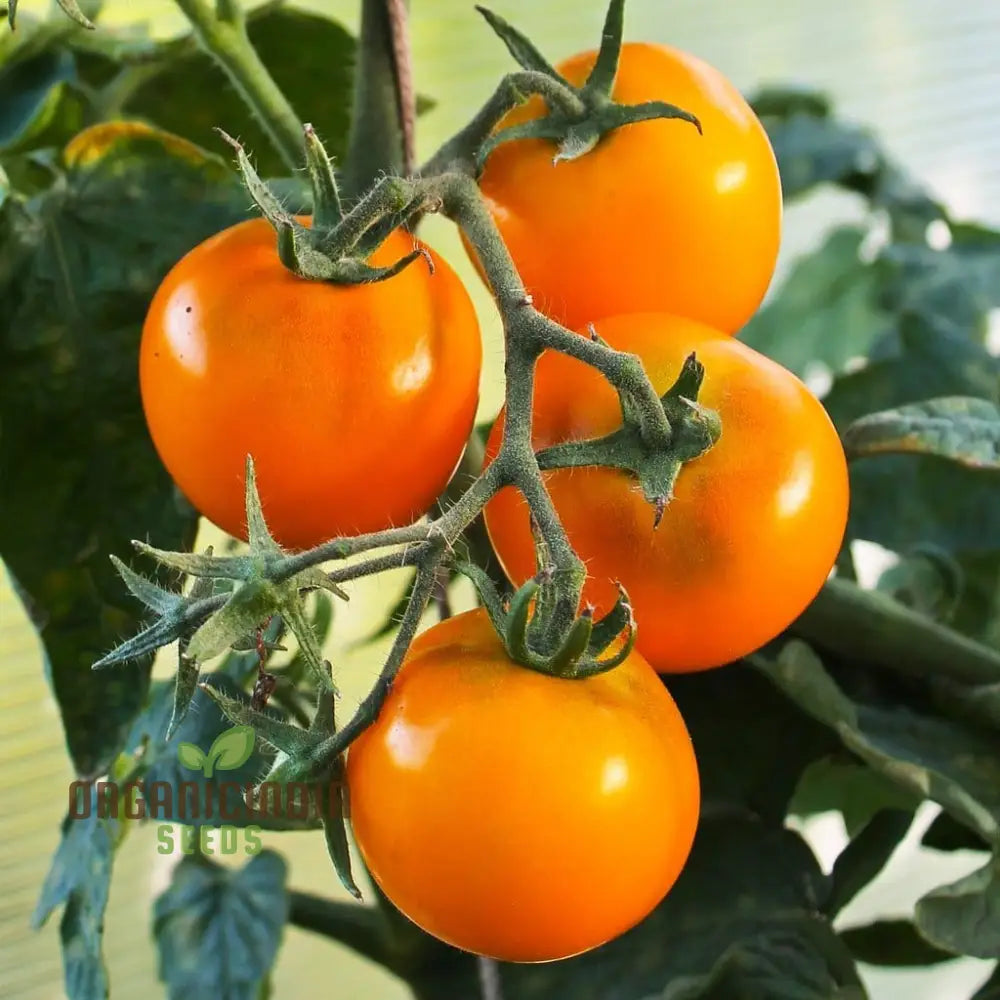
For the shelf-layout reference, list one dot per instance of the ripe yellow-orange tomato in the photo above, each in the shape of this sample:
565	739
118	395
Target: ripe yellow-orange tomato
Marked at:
755	524
656	217
490	801
354	401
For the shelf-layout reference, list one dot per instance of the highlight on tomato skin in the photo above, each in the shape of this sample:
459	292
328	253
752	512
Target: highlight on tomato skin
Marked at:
755	524
321	384
489	800
657	217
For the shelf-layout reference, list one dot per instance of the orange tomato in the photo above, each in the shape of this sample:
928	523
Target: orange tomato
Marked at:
656	217
326	386
755	524
488	799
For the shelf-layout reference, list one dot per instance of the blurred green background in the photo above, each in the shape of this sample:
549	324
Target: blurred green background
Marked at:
924	73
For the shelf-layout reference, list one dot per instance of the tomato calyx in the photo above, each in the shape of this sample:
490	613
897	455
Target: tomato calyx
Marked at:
653	457
578	117
538	636
337	246
257	589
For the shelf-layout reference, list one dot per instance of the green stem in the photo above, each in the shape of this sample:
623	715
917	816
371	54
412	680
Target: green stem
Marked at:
381	114
460	152
870	627
361	928
221	30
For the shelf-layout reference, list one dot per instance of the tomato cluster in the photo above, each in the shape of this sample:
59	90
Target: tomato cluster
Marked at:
483	793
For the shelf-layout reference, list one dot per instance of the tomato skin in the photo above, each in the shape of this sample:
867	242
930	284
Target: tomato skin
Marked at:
755	524
487	798
321	384
656	217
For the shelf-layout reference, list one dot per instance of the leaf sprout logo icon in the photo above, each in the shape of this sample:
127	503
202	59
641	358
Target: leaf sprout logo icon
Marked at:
230	750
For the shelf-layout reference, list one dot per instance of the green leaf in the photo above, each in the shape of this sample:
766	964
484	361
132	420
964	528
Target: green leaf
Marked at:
865	856
752	744
190	756
827	310
232	749
961	429
867	626
192	96
79	880
812	150
964	917
957	766
218	929
958	285
776	965
851	788
83	266
947	834
892	943
32	92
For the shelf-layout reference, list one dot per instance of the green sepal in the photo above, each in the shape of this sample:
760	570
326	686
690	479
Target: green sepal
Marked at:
185	685
334	248
327	210
283	736
520	47
489	596
605	69
580	649
575	135
179	615
335	830
226	620
693	430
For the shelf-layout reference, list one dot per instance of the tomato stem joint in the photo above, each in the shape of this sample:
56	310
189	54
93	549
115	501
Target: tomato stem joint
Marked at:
654	459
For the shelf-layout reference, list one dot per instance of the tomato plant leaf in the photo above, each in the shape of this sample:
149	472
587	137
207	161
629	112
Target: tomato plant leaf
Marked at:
830	301
947	834
938	504
957	284
964	917
218	930
851	788
813	150
963	429
752	745
31	94
892	943
86	259
79	880
865	856
777	964
957	766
